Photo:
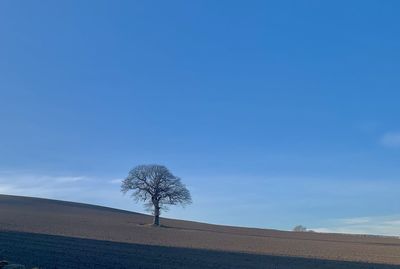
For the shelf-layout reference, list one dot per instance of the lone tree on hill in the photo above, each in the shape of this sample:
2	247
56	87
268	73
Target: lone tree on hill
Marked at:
157	187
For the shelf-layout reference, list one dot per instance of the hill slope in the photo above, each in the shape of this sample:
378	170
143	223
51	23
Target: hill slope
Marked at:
41	216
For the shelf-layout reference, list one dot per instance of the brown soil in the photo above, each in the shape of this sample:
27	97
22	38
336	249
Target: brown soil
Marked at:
42	216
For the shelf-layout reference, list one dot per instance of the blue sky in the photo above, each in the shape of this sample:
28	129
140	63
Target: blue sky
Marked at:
274	113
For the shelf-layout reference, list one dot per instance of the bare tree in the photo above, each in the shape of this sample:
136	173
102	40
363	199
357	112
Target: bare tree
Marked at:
300	228
157	187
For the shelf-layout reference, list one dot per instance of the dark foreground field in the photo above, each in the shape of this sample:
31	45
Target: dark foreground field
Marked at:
49	251
55	234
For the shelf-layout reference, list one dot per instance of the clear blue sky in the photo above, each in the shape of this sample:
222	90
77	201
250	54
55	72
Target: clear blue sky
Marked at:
274	113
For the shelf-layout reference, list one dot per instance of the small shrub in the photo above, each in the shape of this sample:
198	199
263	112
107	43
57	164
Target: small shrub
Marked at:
299	228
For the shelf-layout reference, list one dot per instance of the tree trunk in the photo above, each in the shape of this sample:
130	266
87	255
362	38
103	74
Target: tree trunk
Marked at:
156	221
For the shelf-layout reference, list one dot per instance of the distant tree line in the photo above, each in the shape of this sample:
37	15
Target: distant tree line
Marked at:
301	228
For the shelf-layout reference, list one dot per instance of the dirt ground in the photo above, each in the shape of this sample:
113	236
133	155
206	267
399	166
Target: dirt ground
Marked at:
55	234
59	252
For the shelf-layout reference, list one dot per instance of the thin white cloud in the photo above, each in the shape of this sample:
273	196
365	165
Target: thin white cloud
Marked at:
393	222
375	225
4	188
116	181
70	179
355	221
77	188
40	185
391	140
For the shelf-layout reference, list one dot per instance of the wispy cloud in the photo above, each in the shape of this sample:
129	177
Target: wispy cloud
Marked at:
377	225
40	185
356	221
70	179
116	181
391	140
77	188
